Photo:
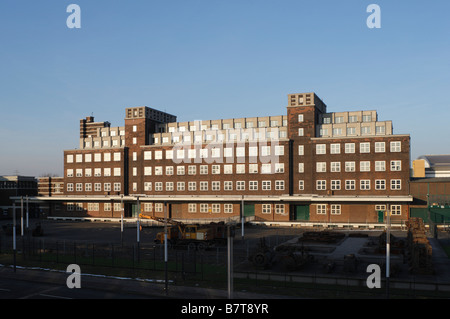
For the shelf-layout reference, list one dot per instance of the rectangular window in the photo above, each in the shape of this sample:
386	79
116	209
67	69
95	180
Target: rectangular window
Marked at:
240	151
301	167
192	170
148	207
253	168
180	186
396	209
148	170
267	208
240	185
396	146
253	185
396	184
203	169
180	170
301	185
350	185
351	131
364	147
97	187
279	150
169	170
147	186
265	150
192	208
349	166
215	169
215	208
335	149
228	208
266	185
380	147
107	187
321	209
215	185
169	186
240	169
117	187
380	184
300	132
335	209
192	186
380	166
266	169
321	185
70	187
79	187
279	185
321	149
69	158
228	169
396	166
158	186
364	166
335	185
228	185
117	171
147	155
301	150
279	209
321	167
364	184
336	167
204	186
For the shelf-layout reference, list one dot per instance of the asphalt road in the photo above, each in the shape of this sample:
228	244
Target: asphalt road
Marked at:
18	289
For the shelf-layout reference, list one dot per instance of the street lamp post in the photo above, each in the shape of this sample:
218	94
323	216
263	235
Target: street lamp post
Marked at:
165	249
121	219
388	247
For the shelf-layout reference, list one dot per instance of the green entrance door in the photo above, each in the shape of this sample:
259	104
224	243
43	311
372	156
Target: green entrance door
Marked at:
302	212
381	216
249	210
134	210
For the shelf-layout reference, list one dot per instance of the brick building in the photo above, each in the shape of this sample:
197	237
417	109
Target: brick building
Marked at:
307	165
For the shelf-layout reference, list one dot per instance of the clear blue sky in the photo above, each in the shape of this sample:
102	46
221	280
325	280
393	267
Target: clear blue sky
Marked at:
211	59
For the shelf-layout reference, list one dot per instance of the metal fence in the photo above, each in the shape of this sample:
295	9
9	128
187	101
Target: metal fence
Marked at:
124	258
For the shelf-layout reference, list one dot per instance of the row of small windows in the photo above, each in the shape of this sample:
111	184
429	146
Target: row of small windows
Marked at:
215	169
96	187
335	209
227	126
215	186
364	166
364	184
97	157
262	150
97	172
349	148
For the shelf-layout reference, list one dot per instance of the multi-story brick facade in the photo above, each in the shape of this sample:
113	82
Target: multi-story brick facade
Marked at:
307	165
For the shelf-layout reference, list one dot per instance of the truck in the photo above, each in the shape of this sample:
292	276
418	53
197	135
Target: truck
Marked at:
193	236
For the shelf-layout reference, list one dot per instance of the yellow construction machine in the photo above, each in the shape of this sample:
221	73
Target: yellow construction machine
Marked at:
195	236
